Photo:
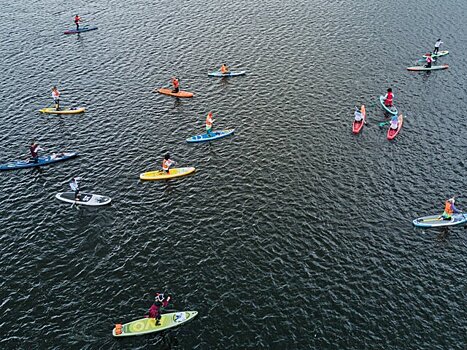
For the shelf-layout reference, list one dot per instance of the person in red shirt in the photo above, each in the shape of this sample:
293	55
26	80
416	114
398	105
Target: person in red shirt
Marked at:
175	84
389	98
155	311
77	21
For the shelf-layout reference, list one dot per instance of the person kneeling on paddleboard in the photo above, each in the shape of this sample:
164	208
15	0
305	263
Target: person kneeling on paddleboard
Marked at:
74	185
429	60
224	69
209	122
155	310
358	115
56	97
389	98
34	149
167	163
77	20
175	84
450	209
394	123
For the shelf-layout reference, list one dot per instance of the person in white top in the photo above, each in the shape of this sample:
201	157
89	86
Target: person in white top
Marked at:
56	97
394	122
74	185
437	45
358	115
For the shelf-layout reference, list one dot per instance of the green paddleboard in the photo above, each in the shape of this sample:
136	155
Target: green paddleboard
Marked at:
148	325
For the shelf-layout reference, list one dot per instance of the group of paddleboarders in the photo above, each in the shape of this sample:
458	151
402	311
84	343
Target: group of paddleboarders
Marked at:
429	59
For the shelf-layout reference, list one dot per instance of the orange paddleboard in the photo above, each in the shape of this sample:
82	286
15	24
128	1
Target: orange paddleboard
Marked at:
176	94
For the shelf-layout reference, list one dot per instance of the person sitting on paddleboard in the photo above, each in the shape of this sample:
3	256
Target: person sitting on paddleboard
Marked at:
167	163
429	60
77	20
56	97
209	122
389	98
450	209
358	115
224	69
34	149
394	123
74	185
176	85
437	45
155	310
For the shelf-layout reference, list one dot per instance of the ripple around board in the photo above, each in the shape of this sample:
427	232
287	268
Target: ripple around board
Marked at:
293	233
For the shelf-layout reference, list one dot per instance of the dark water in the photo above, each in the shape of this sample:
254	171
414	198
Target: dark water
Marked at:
293	234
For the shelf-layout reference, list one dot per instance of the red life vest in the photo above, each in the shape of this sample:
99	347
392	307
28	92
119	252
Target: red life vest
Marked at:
77	19
209	121
175	83
389	98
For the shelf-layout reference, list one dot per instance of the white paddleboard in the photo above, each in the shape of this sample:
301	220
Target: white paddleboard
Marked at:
90	199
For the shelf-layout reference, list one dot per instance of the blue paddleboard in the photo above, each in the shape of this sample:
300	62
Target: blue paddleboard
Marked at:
81	30
214	136
44	160
438	221
392	110
229	74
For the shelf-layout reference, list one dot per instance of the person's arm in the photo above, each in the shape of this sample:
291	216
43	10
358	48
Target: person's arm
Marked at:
454	209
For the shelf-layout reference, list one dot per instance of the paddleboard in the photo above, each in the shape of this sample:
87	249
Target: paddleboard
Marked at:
162	175
229	74
438	221
52	110
80	30
392	110
393	132
439	54
90	199
44	160
148	325
423	68
182	94
214	136
357	126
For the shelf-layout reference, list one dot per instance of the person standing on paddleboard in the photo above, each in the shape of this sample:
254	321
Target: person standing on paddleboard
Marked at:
437	46
155	311
77	21
450	209
389	98
56	97
175	84
209	122
167	163
74	185
429	60
34	149
224	69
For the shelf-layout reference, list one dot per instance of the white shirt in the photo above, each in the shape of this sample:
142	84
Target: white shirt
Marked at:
358	116
438	43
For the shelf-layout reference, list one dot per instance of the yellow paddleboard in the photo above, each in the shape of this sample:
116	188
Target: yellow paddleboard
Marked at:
162	175
52	110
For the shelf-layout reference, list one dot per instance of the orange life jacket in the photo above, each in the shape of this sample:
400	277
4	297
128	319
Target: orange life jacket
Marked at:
209	121
448	208
118	329
224	69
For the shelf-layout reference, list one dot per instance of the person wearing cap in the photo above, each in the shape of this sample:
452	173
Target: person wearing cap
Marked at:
155	311
450	209
209	122
175	84
74	185
167	163
437	45
429	60
34	149
224	69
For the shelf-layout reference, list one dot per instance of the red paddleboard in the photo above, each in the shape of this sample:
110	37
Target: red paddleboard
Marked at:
176	94
357	126
393	132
